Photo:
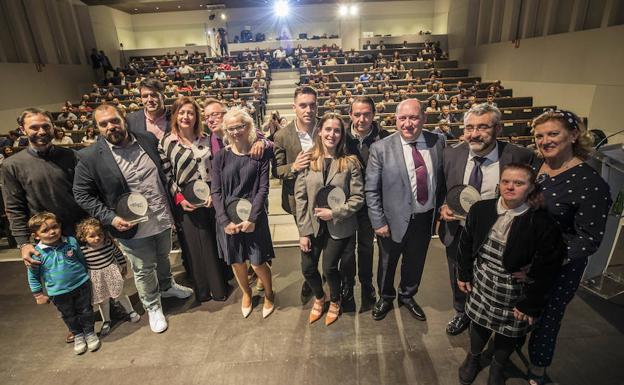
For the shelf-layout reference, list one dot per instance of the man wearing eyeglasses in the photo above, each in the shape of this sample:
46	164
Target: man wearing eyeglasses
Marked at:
404	187
154	117
476	161
123	162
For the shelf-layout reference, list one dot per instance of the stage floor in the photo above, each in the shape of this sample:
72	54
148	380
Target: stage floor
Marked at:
213	344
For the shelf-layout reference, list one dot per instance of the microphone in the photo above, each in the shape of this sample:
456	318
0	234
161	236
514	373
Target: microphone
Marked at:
604	140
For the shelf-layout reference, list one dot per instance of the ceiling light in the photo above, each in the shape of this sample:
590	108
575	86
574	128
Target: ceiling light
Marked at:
343	10
353	10
223	17
281	8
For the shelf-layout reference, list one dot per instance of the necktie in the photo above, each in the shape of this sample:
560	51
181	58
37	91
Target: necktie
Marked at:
476	176
422	191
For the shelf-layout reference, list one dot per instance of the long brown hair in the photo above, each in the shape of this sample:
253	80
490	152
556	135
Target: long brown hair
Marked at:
318	151
182	101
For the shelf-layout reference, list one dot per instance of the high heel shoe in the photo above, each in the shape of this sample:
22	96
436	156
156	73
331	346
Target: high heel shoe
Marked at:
268	311
317	310
333	313
246	310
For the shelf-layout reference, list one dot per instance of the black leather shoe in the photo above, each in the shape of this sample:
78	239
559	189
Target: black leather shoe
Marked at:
381	308
458	324
469	369
348	302
306	293
497	375
415	310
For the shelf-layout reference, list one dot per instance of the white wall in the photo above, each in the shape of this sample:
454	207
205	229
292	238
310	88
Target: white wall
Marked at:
175	29
581	71
24	87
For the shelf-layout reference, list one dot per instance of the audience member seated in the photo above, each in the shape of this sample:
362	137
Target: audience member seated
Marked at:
60	138
90	136
432	106
66	115
446	115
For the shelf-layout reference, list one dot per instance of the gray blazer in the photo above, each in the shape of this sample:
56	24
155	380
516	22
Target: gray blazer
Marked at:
287	147
388	189
455	159
344	222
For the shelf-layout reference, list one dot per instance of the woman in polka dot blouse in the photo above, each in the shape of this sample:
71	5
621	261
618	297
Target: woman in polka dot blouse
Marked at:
578	199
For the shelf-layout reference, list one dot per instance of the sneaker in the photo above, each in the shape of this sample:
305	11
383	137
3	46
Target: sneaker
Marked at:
157	320
134	317
80	345
93	342
106	328
177	291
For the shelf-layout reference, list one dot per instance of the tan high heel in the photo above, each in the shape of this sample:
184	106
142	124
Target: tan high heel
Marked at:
317	309
333	313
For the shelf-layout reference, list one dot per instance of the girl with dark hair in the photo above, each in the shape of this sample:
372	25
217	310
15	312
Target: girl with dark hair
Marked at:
505	239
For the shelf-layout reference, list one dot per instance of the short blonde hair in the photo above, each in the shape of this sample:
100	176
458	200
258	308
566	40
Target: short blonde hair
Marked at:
243	116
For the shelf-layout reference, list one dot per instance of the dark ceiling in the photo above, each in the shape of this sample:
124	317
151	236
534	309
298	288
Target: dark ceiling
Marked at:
155	6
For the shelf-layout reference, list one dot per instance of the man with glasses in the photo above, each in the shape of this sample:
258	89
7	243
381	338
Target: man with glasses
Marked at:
123	162
37	179
403	189
476	161
154	117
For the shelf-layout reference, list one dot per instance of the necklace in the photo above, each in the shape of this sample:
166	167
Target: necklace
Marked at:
556	171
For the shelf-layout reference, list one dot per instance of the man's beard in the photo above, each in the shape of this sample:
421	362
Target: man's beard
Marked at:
116	137
40	140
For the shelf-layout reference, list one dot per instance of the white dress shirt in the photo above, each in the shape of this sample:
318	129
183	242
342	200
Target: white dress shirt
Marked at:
306	140
491	172
421	146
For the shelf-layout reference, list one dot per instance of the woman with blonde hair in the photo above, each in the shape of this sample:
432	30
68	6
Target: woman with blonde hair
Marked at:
322	229
578	199
186	154
235	176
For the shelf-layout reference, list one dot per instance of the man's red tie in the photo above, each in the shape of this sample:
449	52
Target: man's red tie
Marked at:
422	191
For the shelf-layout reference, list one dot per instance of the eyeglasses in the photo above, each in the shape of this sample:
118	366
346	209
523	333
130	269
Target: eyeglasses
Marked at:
215	115
480	128
237	128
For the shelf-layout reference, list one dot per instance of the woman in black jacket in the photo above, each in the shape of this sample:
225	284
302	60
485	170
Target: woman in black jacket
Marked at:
503	239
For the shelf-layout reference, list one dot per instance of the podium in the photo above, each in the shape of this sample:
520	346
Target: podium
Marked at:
604	275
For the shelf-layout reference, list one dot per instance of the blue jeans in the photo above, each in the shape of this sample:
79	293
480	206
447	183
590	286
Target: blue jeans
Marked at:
149	258
75	307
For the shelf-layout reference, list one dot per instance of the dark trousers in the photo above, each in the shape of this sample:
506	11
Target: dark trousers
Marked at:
199	245
332	250
544	337
76	310
503	345
364	240
413	248
459	297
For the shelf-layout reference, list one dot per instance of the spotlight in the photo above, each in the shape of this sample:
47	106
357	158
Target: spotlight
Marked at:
353	10
281	8
343	10
223	16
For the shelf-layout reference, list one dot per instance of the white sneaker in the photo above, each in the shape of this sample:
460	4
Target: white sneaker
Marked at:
157	320
93	342
80	345
177	291
134	317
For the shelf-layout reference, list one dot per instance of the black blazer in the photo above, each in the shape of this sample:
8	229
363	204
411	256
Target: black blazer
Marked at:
136	121
455	159
98	181
534	239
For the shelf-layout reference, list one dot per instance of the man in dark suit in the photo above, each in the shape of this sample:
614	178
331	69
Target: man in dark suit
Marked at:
121	162
404	186
476	161
292	145
154	117
363	132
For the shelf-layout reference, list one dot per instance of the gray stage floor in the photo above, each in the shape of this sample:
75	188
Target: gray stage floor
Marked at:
213	344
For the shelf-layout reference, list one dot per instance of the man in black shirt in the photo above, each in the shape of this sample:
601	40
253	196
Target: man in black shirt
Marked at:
36	179
363	133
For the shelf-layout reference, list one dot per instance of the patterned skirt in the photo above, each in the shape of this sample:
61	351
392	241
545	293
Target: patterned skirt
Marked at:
495	293
106	283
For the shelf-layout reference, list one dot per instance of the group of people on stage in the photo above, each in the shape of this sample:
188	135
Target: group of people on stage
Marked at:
515	260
